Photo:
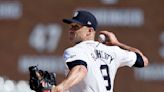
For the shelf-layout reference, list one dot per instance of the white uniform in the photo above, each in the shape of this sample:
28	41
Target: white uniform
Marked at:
102	64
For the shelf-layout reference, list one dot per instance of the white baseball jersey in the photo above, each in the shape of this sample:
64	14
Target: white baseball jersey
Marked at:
102	64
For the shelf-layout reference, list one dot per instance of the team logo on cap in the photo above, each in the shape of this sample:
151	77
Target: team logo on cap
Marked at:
75	14
89	23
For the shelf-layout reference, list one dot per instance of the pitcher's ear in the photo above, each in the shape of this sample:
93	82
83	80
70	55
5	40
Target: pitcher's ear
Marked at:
90	30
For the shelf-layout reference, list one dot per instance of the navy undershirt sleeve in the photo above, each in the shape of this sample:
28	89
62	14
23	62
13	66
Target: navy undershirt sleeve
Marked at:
76	62
139	61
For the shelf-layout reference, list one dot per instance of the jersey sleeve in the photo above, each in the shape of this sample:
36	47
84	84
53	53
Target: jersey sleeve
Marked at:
73	56
125	57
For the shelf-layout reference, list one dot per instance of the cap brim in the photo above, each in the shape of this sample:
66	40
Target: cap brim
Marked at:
69	21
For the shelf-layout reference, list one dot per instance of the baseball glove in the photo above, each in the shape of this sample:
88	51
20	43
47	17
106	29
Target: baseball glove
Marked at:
41	81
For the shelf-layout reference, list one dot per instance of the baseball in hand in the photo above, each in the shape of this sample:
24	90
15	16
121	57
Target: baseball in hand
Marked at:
102	38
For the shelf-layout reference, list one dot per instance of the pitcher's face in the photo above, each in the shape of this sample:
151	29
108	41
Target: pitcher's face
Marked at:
77	32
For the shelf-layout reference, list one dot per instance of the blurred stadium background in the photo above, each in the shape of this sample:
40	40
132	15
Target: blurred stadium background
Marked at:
32	33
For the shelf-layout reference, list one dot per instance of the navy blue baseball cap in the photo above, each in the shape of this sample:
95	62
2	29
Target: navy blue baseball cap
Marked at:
84	18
